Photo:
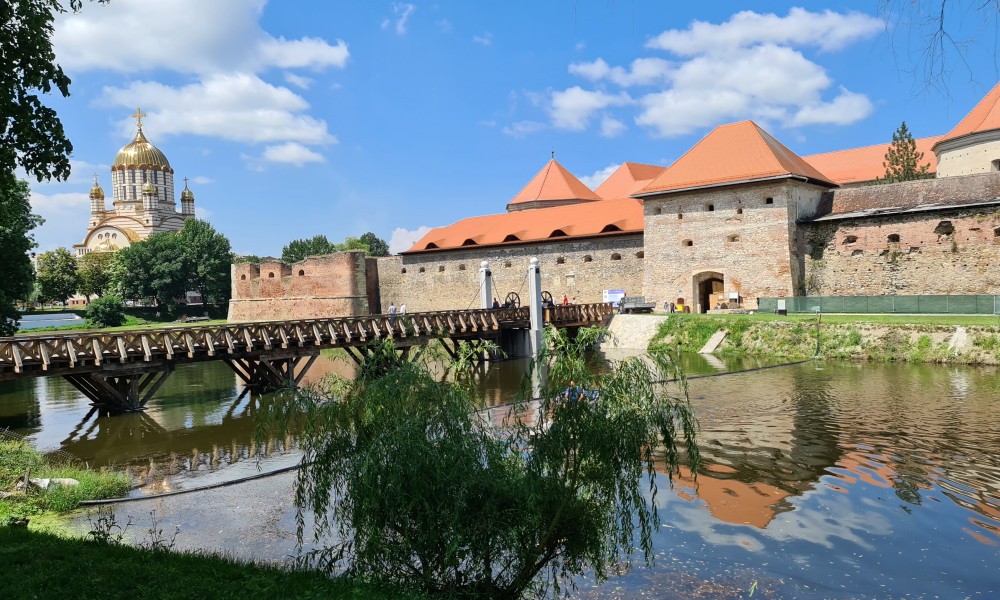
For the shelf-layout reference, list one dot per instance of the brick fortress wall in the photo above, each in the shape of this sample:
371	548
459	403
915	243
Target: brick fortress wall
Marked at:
449	280
333	285
953	250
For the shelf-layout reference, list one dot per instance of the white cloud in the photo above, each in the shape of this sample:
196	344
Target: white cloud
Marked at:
828	30
572	108
292	153
522	129
202	180
611	127
65	217
239	107
403	239
444	25
751	66
401	12
595	180
486	39
298	80
202	213
137	35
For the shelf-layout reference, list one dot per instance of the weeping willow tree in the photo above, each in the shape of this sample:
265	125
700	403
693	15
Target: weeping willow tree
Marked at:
415	488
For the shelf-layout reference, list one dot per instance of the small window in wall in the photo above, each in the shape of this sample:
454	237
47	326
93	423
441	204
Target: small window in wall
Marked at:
657	210
460	267
243	277
732	238
421	270
769	201
270	275
680	215
996	232
507	264
944	228
687	243
589	258
893	238
640	254
441	269
403	270
996	164
850	239
710	207
616	256
561	260
302	272
739	211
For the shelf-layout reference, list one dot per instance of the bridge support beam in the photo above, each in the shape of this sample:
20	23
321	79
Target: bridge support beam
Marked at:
271	372
121	390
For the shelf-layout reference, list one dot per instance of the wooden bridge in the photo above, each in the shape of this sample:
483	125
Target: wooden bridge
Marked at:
122	370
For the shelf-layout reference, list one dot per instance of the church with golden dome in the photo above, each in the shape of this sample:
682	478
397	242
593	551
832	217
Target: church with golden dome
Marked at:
142	189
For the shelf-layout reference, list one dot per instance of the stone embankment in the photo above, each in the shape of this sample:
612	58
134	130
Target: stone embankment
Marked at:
632	331
860	341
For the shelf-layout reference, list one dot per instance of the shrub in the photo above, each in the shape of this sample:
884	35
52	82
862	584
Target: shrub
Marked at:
106	311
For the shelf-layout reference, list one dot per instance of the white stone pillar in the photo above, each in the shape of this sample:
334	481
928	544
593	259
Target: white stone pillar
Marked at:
485	285
537	321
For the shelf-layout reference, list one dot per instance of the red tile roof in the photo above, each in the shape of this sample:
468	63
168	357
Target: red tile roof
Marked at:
545	224
628	179
865	164
733	153
984	117
552	185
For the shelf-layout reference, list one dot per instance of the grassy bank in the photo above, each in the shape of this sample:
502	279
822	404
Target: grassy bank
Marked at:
17	457
910	338
135	318
40	566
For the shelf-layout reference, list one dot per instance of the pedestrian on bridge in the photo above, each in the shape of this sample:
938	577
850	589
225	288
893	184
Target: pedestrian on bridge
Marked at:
392	312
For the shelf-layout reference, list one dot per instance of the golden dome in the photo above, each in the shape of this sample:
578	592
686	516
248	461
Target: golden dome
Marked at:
148	188
187	194
96	191
140	153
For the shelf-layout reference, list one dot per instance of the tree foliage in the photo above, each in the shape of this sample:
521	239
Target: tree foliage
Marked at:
376	245
318	245
16	241
93	272
167	265
106	311
57	278
902	161
427	493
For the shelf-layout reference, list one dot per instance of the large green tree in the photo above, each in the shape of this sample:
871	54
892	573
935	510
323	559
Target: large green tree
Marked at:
297	250
93	272
426	493
168	264
902	160
376	245
16	272
57	279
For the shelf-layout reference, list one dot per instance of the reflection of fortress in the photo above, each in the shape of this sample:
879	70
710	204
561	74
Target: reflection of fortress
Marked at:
739	213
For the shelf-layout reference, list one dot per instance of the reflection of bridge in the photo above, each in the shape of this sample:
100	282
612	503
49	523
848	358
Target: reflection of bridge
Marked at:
123	369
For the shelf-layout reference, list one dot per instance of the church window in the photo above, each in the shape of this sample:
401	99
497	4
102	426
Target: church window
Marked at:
616	256
588	258
769	201
461	267
739	211
441	269
403	270
710	207
687	243
421	270
270	275
640	254
893	238
561	260
732	238
850	239
302	272
114	236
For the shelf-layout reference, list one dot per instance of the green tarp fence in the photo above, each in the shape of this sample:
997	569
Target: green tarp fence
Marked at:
983	304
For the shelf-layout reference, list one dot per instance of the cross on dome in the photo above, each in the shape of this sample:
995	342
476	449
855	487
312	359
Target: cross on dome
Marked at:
138	117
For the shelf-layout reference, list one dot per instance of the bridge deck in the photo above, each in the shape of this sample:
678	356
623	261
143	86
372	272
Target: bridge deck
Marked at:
136	351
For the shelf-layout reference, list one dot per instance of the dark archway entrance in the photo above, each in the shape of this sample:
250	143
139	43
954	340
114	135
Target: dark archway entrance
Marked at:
708	292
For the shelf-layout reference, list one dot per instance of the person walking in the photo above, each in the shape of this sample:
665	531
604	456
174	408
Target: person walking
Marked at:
402	308
392	312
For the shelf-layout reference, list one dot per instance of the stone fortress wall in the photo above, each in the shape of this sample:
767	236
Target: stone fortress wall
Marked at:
333	285
930	238
449	280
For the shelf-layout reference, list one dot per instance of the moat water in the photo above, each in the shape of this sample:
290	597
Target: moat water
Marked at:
821	480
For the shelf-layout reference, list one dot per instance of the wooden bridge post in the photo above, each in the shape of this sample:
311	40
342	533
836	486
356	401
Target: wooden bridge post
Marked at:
121	390
271	372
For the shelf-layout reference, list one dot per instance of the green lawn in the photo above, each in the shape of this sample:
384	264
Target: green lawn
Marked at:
37	565
837	318
130	323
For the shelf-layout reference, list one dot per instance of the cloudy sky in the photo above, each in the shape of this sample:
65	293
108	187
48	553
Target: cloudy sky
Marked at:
302	117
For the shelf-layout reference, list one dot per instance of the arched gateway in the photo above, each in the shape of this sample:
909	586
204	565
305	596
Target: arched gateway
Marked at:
708	285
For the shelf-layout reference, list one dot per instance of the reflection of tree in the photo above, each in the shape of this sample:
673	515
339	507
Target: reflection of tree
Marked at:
20	409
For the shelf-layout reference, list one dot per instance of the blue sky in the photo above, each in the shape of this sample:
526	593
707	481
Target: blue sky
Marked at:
302	117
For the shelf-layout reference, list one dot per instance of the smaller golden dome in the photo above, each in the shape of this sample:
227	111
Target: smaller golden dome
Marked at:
186	194
96	191
148	188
